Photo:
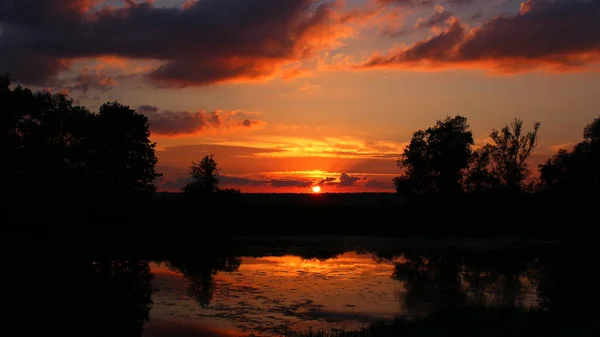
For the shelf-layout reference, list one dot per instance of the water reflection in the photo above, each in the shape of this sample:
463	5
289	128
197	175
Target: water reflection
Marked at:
236	290
101	298
275	295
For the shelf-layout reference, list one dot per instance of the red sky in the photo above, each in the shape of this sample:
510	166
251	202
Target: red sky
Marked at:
289	94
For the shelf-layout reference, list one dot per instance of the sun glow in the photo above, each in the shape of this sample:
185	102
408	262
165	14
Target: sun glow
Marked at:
316	189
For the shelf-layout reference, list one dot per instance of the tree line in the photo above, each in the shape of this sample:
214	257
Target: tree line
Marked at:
53	148
442	161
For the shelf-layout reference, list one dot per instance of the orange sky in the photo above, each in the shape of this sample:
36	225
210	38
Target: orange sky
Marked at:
312	91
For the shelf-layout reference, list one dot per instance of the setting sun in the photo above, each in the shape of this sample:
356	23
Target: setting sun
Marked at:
316	189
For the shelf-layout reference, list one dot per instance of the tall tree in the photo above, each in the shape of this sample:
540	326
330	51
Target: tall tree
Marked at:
434	159
509	152
123	156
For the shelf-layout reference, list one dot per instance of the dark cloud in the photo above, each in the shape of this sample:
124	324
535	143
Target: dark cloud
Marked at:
279	183
411	3
560	34
326	181
92	79
173	123
176	184
344	180
476	16
205	42
387	184
274	183
440	16
347	180
458	3
227	180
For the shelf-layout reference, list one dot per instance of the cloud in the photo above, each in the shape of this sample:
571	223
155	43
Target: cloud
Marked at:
459	3
347	180
174	123
92	79
280	183
176	184
343	180
552	34
439	16
383	184
410	3
239	181
200	43
334	147
326	181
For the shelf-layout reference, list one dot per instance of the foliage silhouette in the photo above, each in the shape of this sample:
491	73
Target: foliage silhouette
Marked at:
122	157
510	150
435	157
578	171
54	148
205	176
502	164
478	177
205	180
430	282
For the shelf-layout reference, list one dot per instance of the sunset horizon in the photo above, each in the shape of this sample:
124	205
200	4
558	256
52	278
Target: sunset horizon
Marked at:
301	93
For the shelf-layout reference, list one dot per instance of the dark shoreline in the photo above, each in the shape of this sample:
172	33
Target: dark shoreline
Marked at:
541	217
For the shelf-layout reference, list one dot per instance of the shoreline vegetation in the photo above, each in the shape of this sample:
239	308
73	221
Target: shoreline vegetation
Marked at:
475	321
526	216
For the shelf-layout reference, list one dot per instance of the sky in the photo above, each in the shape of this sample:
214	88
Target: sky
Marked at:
289	94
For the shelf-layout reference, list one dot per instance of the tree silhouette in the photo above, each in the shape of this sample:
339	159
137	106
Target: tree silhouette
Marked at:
578	170
435	158
510	150
52	147
205	180
478	176
502	163
204	175
200	272
431	280
123	158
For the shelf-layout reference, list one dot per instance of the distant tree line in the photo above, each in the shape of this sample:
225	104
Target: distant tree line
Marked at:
442	161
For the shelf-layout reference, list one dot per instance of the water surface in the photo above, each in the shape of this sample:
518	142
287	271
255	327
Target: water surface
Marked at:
277	295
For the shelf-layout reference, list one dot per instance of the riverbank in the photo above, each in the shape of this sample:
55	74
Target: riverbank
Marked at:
476	322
